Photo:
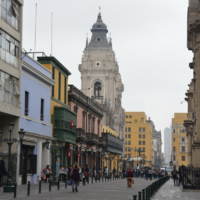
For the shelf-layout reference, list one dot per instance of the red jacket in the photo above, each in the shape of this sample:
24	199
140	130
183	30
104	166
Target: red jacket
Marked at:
130	174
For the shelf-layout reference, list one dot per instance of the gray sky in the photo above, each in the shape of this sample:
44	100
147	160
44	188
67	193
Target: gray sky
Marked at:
149	39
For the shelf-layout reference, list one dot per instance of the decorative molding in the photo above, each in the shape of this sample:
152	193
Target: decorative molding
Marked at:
35	120
40	137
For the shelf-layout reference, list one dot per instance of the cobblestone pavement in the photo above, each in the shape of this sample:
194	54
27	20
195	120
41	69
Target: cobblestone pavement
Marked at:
116	190
171	192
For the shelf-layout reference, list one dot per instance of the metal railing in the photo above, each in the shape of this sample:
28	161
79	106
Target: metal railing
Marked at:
190	177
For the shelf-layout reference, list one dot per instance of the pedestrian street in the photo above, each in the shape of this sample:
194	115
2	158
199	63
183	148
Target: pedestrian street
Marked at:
114	189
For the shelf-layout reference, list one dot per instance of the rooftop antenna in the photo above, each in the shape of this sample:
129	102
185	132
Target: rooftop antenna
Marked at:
51	34
35	29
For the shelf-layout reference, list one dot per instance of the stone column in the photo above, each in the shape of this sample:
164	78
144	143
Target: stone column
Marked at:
189	148
39	160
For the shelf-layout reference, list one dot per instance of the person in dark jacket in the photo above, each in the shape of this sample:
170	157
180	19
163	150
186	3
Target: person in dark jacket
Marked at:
75	178
3	171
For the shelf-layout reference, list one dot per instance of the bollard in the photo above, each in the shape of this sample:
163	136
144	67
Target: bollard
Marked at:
92	180
143	194
99	179
102	177
105	178
139	195
113	177
88	179
134	197
15	190
65	183
28	188
49	185
147	194
39	186
58	184
95	180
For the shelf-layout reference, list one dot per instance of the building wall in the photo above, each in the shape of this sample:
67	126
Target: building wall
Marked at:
135	121
179	132
167	145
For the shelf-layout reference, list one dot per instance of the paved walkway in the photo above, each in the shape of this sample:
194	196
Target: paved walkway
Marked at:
170	192
116	190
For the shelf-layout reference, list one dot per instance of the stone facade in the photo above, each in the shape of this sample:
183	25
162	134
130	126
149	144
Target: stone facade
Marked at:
100	77
192	124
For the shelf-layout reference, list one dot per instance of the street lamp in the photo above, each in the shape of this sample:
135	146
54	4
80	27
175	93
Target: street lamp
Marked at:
9	187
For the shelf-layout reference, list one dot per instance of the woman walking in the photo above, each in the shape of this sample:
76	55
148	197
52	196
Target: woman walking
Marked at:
75	178
174	175
61	172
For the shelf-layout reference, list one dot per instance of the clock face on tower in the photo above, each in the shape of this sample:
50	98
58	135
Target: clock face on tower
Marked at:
98	39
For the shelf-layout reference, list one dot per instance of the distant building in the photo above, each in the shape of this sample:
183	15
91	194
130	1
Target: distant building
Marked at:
167	145
179	140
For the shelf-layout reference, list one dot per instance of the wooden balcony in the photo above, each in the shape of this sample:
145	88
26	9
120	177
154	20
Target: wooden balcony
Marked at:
102	141
92	139
81	135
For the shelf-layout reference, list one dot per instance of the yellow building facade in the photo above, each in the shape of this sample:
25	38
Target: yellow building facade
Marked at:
138	135
179	140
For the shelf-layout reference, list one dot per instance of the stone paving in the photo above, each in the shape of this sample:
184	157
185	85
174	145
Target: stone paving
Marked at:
171	192
116	190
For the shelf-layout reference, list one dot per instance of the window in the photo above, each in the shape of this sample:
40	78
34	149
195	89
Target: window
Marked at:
9	48
183	148
125	142
129	142
140	142
10	13
126	129
143	142
140	136
174	130
125	135
183	130
174	149
126	116
129	149
93	125
59	85
62	124
65	93
129	129
129	155
57	123
183	158
140	130
125	148
53	76
75	109
98	39
144	149
180	130
130	116
26	103
143	129
97	89
143	136
183	139
83	120
89	120
42	110
174	157
174	139
129	135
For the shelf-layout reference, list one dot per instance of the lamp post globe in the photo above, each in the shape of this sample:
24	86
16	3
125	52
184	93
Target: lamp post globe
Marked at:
1	133
47	144
21	134
10	126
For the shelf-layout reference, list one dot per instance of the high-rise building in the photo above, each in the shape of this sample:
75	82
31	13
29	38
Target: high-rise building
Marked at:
11	21
179	140
167	145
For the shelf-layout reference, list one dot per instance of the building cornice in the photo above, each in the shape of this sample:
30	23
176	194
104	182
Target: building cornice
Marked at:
37	73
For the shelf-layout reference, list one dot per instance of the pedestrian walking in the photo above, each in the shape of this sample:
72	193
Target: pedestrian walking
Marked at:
75	178
146	174
3	171
94	171
114	171
65	173
100	172
174	175
47	174
61	172
150	173
82	171
129	176
85	177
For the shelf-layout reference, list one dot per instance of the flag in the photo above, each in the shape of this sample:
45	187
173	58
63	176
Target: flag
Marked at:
79	154
71	124
68	153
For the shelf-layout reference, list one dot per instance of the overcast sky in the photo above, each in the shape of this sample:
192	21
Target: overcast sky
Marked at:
149	40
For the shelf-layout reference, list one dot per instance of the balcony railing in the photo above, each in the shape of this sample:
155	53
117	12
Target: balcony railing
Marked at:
102	141
81	136
92	138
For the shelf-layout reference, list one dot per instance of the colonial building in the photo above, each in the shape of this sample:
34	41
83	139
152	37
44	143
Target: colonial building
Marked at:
61	115
11	20
192	123
35	119
179	140
100	77
138	136
89	132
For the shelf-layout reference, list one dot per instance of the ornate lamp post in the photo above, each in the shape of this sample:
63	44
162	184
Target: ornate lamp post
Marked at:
9	187
53	149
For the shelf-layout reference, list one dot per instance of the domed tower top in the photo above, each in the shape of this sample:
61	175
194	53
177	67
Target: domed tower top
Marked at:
99	39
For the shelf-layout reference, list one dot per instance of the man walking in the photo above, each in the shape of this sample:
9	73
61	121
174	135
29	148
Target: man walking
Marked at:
114	171
75	178
3	171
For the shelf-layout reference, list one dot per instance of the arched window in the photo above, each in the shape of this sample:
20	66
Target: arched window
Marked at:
97	89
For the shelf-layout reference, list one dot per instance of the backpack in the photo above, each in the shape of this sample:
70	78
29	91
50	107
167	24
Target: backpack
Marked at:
86	174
